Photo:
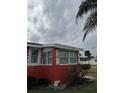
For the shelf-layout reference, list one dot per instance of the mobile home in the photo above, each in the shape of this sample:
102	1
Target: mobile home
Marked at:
54	62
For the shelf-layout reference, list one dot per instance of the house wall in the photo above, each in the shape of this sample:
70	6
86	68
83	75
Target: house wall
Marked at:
53	56
53	72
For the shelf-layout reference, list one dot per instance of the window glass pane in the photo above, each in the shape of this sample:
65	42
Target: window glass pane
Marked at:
72	57
72	60
47	58
34	55
34	59
63	60
44	58
50	54
64	57
72	54
34	51
63	54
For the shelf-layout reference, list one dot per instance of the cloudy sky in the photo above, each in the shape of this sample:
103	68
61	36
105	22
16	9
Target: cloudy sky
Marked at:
53	21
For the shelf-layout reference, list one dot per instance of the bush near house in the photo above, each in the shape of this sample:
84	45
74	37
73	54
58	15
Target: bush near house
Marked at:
85	66
77	75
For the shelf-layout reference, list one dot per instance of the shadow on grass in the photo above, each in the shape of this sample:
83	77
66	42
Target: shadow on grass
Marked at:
91	87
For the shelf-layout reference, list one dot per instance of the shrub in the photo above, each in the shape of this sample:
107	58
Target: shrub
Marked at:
85	66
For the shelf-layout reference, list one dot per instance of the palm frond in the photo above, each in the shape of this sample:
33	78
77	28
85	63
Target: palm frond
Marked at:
85	7
91	23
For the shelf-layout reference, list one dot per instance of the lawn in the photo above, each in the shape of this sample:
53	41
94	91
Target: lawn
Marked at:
93	72
91	88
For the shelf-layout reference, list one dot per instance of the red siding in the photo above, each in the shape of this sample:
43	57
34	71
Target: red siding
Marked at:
54	56
53	72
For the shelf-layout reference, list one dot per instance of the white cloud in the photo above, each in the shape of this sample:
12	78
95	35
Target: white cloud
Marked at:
53	21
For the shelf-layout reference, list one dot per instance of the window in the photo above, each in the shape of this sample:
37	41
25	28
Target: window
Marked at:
72	57
50	57
67	57
44	58
34	55
47	56
64	57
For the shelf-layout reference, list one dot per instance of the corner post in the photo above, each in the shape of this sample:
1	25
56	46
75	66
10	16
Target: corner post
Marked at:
54	56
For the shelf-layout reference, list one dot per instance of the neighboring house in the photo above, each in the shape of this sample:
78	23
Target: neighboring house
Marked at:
54	62
93	61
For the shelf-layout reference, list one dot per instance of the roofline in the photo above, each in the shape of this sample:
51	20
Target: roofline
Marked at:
62	46
56	45
33	44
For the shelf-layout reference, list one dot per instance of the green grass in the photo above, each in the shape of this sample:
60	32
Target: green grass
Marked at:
93	72
91	88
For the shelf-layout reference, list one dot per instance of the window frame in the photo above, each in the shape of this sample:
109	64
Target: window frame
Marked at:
47	50
75	57
69	57
38	57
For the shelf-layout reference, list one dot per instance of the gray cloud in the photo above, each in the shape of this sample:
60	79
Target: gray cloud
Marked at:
53	21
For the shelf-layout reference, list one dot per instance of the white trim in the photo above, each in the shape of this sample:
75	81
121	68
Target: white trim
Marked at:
68	64
39	64
69	57
62	47
57	56
54	45
29	56
39	56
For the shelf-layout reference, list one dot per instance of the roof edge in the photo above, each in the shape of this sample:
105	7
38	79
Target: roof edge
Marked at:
56	45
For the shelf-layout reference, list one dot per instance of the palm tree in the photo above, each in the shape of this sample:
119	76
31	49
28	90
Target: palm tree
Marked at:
88	54
91	22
